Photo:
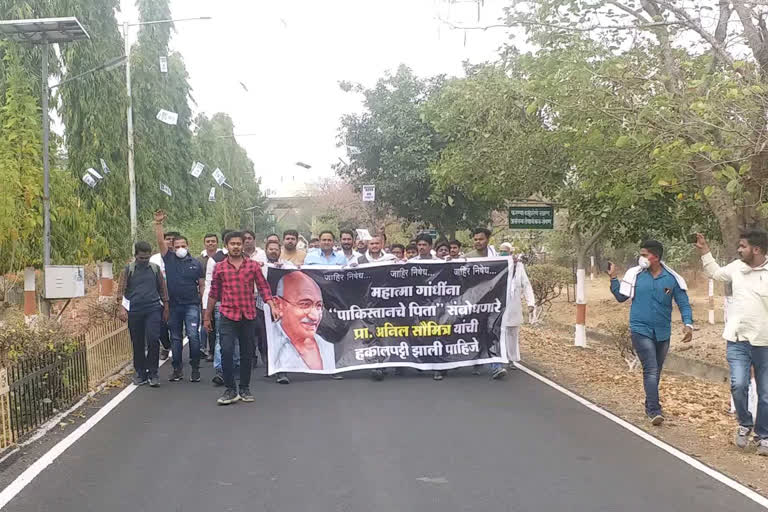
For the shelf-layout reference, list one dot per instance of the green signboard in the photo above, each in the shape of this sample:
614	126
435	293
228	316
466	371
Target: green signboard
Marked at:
532	217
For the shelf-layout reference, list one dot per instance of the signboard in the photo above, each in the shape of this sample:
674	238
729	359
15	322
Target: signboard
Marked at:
64	281
369	192
532	217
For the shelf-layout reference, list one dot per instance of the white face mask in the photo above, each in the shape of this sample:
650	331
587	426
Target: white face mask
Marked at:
181	252
643	262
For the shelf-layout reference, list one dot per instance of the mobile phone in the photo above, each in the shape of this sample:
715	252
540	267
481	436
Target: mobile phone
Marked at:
693	238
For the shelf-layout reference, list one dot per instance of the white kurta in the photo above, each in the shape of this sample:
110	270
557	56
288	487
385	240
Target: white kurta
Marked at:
518	286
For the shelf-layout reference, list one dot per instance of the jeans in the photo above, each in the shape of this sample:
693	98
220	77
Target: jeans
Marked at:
203	338
217	346
261	335
237	332
741	357
145	332
185	317
651	354
165	338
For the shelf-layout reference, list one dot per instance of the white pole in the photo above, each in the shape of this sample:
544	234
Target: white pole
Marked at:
591	268
129	118
581	309
30	295
711	294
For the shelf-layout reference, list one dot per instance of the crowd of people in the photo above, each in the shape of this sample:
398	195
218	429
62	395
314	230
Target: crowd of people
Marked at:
217	299
653	286
167	295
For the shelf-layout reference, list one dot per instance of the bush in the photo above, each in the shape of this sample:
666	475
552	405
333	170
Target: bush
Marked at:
43	336
548	282
621	338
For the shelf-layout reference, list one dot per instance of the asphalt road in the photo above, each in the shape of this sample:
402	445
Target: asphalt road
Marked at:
404	444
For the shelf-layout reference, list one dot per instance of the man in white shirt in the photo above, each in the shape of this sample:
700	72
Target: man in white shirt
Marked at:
746	329
157	259
518	286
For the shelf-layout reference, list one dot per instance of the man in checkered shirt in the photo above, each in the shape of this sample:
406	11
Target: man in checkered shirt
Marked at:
232	284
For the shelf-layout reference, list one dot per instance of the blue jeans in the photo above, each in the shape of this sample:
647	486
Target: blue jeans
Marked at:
217	348
185	317
741	357
651	354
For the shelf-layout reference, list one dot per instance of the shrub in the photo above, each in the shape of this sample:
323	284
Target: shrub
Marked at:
43	336
548	283
621	338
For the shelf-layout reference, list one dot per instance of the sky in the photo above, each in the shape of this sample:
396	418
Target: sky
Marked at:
291	54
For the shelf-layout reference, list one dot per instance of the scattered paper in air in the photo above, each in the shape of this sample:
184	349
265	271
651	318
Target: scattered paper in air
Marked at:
93	173
104	167
363	234
212	194
89	180
163	64
227	185
197	169
167	117
219	177
166	189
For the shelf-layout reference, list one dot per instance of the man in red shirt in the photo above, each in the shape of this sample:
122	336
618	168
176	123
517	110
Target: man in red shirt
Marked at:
233	283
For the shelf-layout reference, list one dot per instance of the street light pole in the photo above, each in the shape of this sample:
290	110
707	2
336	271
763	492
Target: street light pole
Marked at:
129	117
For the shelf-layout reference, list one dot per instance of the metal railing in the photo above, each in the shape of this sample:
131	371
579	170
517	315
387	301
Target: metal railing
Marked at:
34	389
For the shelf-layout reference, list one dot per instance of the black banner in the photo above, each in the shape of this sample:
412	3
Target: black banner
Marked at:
426	315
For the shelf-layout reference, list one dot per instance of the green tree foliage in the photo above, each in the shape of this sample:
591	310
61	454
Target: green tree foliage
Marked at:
397	146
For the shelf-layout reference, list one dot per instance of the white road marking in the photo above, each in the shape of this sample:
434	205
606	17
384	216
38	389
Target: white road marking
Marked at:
691	461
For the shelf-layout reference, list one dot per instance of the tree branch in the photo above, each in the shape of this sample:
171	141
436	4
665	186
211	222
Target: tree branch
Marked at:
513	22
752	34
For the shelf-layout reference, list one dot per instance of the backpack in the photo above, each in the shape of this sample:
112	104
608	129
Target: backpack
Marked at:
132	268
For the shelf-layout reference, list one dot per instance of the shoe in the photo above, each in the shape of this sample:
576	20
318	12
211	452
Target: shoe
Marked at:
209	358
377	374
164	353
176	376
337	376
500	373
762	447
218	380
657	419
154	381
139	381
195	377
283	379
741	439
476	370
230	396
437	376
511	367
245	395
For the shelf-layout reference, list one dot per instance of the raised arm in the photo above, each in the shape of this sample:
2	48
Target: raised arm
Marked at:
615	283
711	268
159	235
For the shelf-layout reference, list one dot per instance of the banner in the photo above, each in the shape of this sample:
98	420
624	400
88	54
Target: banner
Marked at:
426	315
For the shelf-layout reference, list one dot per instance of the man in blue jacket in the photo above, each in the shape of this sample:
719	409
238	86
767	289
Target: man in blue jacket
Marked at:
652	286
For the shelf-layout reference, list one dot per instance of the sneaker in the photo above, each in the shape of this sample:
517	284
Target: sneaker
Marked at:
337	376
762	447
499	373
476	370
245	395
657	419
209	358
230	396
139	381
511	367
176	376
377	374
283	379
195	377
164	353
154	381
438	376
741	439
218	379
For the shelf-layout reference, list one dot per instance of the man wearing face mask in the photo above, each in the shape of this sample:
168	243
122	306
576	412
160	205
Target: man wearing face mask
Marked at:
652	286
186	283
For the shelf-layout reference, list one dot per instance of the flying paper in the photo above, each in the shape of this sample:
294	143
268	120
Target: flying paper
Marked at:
212	195
89	180
219	176
363	234
93	173
163	64
104	167
197	169
166	189
167	117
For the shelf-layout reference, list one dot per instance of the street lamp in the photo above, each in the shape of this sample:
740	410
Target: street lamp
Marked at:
44	31
129	114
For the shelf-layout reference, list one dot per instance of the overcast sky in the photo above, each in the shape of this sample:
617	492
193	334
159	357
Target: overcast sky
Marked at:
291	54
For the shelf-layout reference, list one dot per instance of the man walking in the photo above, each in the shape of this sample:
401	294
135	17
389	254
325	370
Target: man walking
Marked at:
746	331
211	244
143	285
652	286
157	259
233	283
326	255
290	252
186	283
518	286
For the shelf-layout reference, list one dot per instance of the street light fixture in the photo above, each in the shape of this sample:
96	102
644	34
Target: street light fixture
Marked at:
44	31
129	114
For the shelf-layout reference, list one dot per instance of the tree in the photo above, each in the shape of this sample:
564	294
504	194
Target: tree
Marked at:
394	146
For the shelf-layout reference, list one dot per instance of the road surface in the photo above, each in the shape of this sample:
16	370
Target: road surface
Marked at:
404	444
